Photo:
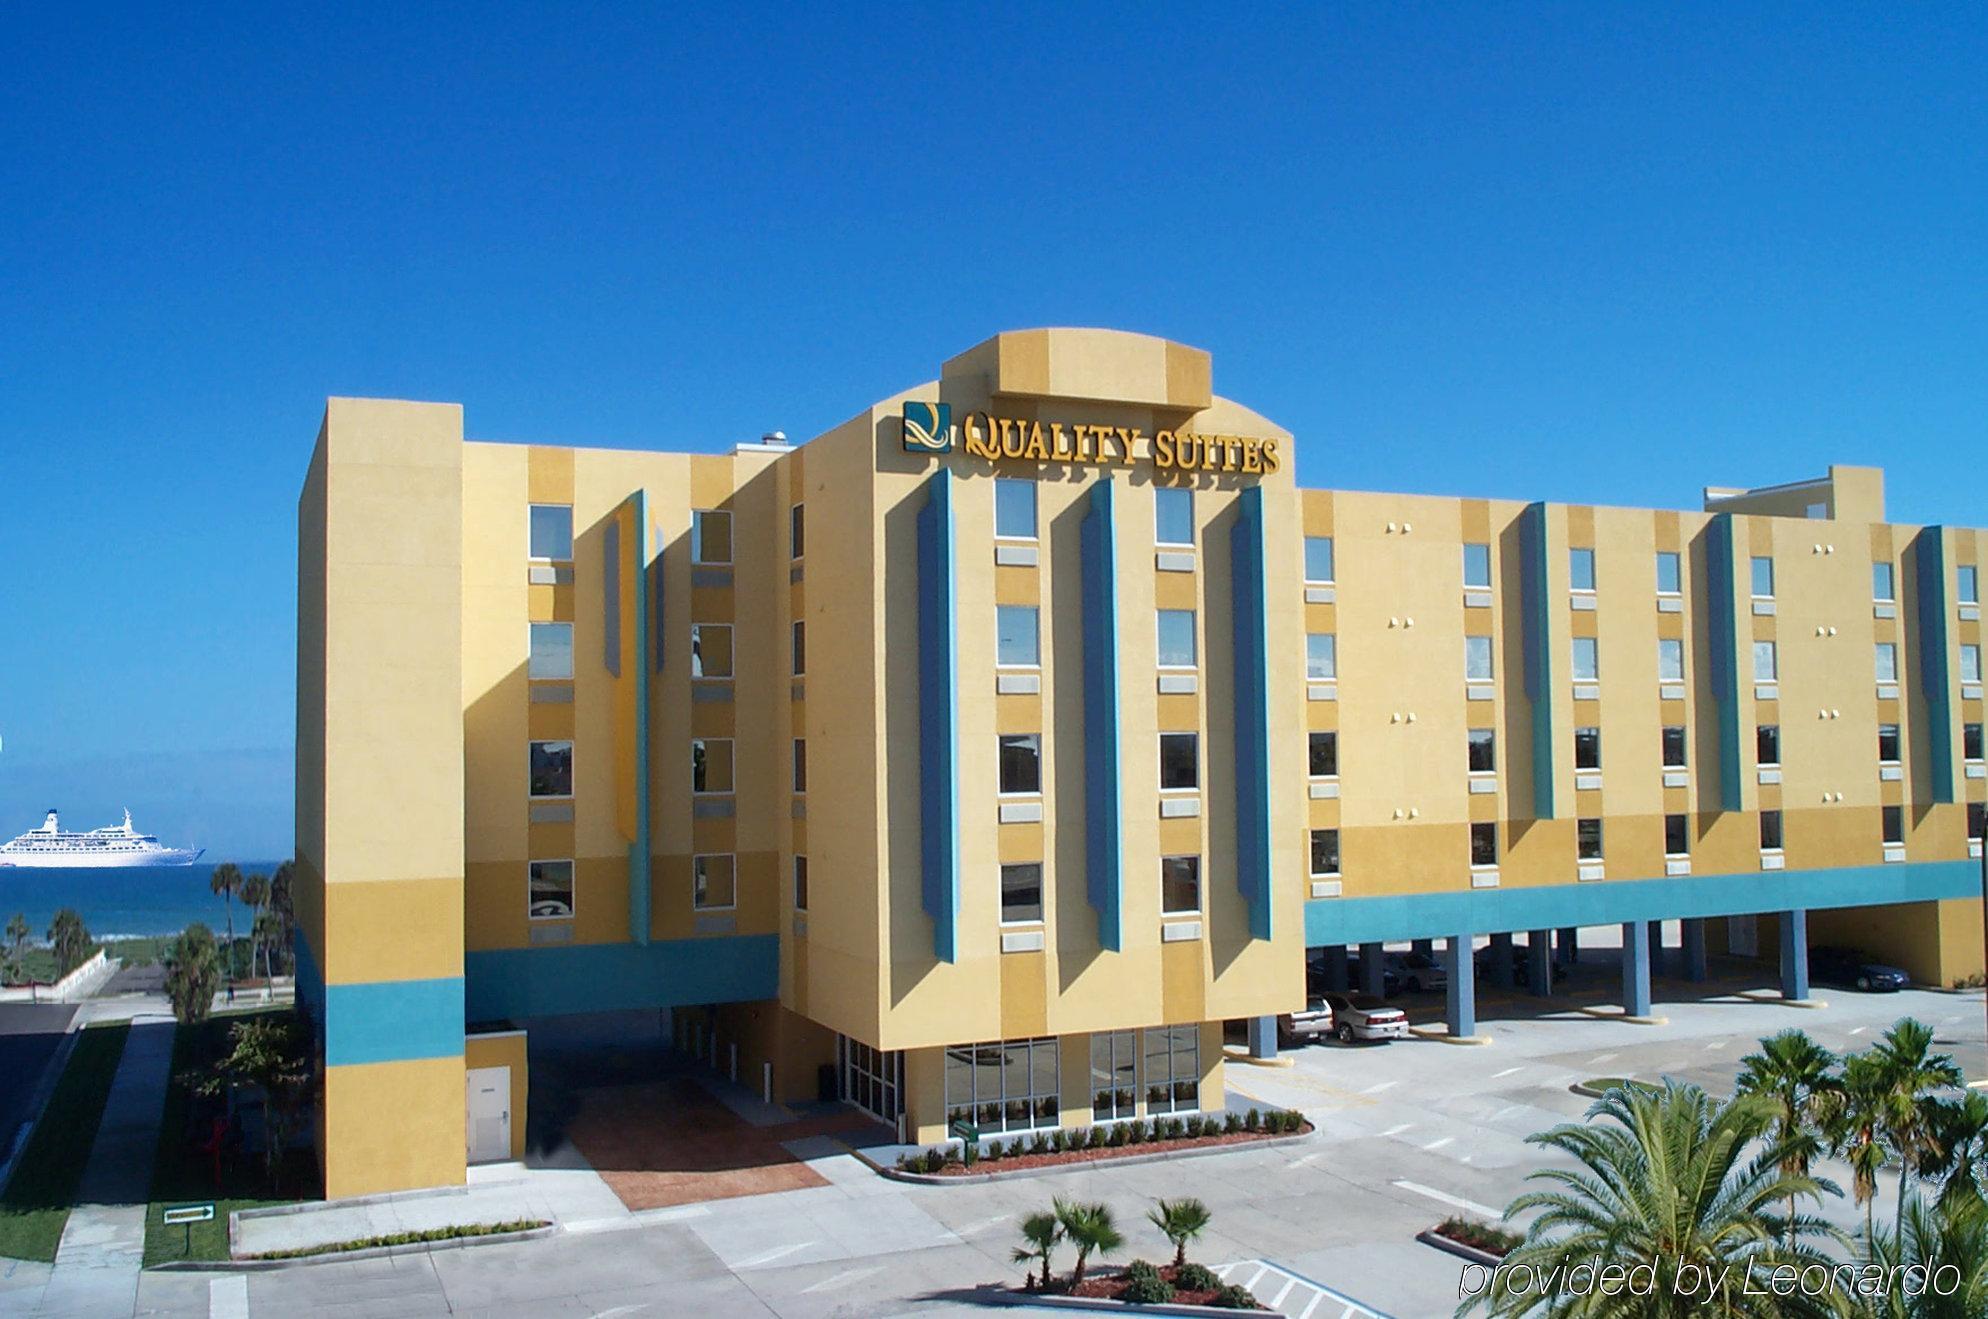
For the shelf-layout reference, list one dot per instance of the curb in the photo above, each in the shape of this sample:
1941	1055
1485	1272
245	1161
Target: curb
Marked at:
1079	1165
339	1256
1607	1014
1431	1237
1441	1035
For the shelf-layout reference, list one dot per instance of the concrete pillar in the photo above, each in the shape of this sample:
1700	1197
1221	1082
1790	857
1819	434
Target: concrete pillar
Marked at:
1263	1037
1335	967
1373	971
1794	954
1636	968
1463	985
1426	947
1501	960
1694	950
1570	946
1539	966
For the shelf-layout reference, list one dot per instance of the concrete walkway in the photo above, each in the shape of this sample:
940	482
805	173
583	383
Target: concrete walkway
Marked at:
103	1247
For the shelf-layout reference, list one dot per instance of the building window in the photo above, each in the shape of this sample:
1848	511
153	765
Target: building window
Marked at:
1017	642
552	532
1477	659
1765	667
1670	578
1587	839
1970	663
1677	835
1883	582
1114	1075
1970	741
872	1079
1021	893
1180	885
552	769
1767	744
1763	577
1321	656
800	883
1968	581
711	764
1325	853
1180	768
710	650
1318	559
797	529
800	648
1670	660
800	764
1674	746
1483	744
1887	661
1581	569
713	883
1325	754
1483	844
1894	824
1770	831
551	651
1977	820
710	536
1003	1085
1587	660
1173	1069
1477	567
1888	744
1173	516
549	891
1587	748
1014	508
1021	764
1176	638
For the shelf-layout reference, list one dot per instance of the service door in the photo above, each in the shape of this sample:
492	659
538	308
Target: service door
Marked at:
489	1114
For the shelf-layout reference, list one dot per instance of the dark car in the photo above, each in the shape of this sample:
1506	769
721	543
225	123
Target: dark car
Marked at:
1855	968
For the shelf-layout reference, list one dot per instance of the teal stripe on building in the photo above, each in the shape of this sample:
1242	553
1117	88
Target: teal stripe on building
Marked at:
390	1021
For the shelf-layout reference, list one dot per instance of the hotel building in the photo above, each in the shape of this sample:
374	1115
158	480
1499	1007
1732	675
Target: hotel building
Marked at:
981	757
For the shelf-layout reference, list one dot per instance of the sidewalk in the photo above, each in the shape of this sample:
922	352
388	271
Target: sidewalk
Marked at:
103	1246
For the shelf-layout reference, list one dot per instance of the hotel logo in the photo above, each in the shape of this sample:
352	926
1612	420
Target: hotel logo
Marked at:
928	427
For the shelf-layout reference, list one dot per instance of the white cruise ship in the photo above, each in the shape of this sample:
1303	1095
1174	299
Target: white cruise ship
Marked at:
113	845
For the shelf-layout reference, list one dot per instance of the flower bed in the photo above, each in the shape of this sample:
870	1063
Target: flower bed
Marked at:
1140	1283
1109	1141
1479	1236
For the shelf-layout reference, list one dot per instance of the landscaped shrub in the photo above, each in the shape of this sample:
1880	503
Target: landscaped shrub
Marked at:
992	1152
1196	1278
1232	1122
1039	1143
1015	1148
1253	1121
1233	1297
1097	1137
1144	1285
1293	1120
1119	1135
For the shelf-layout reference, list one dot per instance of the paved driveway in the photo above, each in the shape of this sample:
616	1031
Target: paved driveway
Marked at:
30	1034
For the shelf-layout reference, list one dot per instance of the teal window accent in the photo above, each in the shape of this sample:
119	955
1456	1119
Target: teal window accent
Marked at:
1321	656
1173	515
1318	559
1884	581
1670	660
1477	659
1018	644
1581	569
551	652
1587	660
1670	576
1014	509
552	532
1763	577
1177	648
1766	662
710	536
1967	584
1477	566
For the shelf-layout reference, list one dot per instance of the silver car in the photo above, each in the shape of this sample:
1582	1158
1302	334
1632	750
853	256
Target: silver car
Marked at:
1365	1017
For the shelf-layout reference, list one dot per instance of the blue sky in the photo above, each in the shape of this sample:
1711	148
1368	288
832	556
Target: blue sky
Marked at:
1578	252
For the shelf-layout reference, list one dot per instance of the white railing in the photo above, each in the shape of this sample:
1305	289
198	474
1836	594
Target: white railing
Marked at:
84	981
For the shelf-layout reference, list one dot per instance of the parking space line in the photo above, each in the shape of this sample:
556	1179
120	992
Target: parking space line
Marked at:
1282	1292
1305	1313
1507	1072
842	1278
1601	1058
768	1256
1438	1144
1453	1201
1398	1129
1378	1087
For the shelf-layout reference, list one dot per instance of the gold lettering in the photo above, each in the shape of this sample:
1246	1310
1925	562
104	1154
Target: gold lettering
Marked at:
1038	448
1252	455
1270	462
1059	443
1187	450
1211	454
1163	449
1013	439
1134	439
1125	445
979	441
1229	453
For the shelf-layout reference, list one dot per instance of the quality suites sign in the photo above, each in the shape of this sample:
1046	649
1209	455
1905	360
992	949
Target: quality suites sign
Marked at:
929	428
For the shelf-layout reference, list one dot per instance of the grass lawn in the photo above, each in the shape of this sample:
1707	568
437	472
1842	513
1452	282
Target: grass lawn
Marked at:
37	1199
181	1174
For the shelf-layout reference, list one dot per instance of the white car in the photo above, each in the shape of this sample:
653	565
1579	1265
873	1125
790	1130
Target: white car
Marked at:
1313	1023
1365	1017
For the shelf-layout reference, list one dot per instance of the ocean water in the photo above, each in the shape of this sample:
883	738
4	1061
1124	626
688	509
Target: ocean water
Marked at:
124	901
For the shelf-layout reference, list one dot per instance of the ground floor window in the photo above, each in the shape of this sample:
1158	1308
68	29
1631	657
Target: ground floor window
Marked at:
1114	1075
872	1079
1003	1085
550	892
1173	1069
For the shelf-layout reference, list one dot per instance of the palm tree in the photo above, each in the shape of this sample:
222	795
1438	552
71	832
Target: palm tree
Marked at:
71	940
1041	1231
18	934
1665	1185
191	973
1856	1130
1960	1132
1089	1227
1179	1221
255	892
1910	1072
227	881
1952	1237
1799	1076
